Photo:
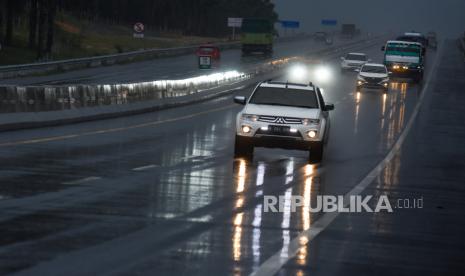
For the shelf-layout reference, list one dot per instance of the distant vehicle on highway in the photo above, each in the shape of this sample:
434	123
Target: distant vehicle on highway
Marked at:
257	36
373	75
415	37
329	40
320	36
283	115
209	50
348	30
353	61
404	58
432	40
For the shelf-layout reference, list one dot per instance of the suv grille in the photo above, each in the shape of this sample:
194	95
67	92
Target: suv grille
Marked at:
372	80
280	120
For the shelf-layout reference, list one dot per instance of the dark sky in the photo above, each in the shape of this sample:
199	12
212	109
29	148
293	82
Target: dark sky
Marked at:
446	17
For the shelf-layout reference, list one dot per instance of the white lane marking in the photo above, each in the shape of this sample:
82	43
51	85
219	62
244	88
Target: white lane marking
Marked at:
273	264
83	180
143	168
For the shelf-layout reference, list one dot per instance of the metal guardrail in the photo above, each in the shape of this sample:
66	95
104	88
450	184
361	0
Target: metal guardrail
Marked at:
21	70
16	99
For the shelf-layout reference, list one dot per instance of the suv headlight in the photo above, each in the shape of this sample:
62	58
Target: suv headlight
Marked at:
249	117
385	80
360	78
307	121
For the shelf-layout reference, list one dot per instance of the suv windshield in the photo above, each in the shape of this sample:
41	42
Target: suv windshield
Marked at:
374	69
356	57
285	97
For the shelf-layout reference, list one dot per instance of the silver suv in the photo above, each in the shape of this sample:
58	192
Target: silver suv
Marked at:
283	115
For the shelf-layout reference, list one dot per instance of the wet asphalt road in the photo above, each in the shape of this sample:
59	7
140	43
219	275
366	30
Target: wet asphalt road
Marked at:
161	194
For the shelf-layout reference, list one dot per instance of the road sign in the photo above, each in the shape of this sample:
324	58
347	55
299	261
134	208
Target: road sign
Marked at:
288	24
329	22
234	22
139	27
205	62
138	30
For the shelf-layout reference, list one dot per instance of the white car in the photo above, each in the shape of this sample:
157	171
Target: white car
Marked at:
373	75
353	61
283	115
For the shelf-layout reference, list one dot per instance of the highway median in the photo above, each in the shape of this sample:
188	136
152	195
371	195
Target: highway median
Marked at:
25	107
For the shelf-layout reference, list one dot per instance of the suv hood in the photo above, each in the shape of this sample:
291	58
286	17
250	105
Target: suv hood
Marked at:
354	61
373	75
282	111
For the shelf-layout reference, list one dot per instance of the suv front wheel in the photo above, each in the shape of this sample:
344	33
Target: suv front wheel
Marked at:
243	148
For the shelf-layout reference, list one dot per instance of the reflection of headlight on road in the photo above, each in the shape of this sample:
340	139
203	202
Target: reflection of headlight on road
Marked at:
298	72
322	74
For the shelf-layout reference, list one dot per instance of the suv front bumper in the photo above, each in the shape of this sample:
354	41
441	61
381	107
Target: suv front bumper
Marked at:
281	142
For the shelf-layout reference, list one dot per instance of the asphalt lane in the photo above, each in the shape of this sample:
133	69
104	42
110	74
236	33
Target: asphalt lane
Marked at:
160	193
179	67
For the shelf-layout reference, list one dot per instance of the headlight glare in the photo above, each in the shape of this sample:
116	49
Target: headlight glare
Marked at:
311	134
246	129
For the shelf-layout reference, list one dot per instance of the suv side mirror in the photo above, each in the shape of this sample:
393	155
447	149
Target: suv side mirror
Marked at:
240	100
383	48
329	107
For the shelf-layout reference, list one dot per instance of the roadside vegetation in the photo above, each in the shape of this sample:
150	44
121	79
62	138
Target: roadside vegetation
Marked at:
41	30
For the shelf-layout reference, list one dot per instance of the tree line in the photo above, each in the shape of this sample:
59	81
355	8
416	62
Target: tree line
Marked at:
189	17
41	17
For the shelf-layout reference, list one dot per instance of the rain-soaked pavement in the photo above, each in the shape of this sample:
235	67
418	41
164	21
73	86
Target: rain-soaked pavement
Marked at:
161	194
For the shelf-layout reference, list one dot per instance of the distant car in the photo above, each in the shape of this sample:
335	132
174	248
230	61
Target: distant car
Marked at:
373	75
353	61
283	115
329	40
209	50
320	36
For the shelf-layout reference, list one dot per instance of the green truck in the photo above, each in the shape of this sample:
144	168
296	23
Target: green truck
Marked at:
404	58
257	36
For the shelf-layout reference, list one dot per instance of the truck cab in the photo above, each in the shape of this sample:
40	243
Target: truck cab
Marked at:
257	36
404	58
